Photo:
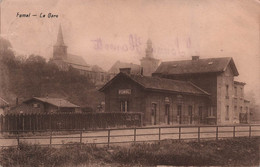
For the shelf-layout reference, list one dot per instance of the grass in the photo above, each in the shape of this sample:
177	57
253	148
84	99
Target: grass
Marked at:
234	152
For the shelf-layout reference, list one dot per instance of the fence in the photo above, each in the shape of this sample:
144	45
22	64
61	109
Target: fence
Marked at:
67	121
142	134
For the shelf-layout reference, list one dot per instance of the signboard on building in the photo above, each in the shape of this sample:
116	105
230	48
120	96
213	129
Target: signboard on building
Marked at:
124	91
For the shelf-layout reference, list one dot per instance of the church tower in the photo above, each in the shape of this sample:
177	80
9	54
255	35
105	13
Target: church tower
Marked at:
60	49
149	63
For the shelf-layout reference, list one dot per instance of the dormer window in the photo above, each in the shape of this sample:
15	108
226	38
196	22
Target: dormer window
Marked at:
209	63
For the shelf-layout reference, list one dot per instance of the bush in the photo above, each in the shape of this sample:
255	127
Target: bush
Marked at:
238	152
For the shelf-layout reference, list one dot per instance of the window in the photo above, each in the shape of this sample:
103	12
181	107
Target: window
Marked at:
235	109
227	87
35	105
179	110
227	113
200	111
241	109
190	111
154	107
242	93
167	107
246	109
235	91
124	106
210	112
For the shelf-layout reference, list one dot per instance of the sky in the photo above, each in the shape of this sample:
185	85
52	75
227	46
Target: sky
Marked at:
103	31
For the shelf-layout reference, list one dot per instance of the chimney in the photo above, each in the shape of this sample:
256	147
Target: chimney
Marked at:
195	57
125	70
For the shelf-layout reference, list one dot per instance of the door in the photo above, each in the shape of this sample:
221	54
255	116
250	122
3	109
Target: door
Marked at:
179	113
190	114
167	116
200	115
153	113
124	106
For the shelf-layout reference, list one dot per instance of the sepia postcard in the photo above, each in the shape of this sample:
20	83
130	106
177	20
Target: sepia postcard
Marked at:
130	83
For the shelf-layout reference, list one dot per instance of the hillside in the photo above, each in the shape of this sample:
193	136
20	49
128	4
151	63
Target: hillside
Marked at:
24	78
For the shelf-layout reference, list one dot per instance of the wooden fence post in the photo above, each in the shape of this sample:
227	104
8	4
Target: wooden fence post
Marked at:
2	123
108	138
198	133
249	131
216	132
81	137
51	138
234	131
18	142
159	135
179	133
134	135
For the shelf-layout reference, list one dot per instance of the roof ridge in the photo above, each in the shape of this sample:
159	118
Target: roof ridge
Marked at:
160	78
199	59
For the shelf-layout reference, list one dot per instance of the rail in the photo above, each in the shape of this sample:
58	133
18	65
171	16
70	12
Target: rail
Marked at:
129	135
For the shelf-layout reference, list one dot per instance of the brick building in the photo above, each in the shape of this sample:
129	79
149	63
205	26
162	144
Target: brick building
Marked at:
189	91
162	101
216	76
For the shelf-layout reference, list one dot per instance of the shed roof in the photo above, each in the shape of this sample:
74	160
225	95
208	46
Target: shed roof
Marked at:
208	65
160	84
54	101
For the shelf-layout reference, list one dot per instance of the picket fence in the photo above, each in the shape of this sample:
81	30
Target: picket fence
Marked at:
68	121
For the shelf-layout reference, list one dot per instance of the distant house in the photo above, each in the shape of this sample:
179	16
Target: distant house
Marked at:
45	105
3	106
135	68
148	63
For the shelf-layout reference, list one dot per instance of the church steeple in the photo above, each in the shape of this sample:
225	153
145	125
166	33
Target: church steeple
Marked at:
60	41
149	49
60	49
148	63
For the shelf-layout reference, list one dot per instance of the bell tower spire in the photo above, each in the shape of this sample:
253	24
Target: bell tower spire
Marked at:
149	63
60	49
149	49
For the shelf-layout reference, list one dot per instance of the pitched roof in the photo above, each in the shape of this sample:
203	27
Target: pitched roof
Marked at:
3	103
157	83
96	68
209	65
54	101
135	68
77	62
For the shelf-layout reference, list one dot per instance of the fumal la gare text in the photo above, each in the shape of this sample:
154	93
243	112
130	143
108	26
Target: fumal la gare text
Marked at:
41	15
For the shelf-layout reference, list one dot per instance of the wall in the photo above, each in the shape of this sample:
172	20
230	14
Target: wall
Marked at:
174	100
224	99
112	97
207	82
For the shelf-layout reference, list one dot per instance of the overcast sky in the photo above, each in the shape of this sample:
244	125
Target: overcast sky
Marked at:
177	28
